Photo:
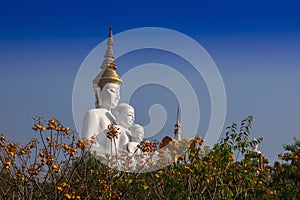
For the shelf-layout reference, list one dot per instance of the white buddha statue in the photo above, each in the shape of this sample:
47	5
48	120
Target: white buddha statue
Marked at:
137	133
129	135
136	137
124	119
107	91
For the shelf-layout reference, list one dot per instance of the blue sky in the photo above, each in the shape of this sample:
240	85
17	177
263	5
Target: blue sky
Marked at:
254	44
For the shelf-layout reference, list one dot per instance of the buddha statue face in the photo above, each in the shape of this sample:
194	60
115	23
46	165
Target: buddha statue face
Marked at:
109	95
124	115
137	133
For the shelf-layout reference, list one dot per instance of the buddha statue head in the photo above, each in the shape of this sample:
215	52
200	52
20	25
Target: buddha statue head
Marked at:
108	90
124	115
137	133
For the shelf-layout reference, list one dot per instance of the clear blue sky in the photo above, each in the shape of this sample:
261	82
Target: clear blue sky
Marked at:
254	44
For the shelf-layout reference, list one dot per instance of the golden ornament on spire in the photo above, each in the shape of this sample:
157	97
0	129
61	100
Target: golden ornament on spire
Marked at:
109	76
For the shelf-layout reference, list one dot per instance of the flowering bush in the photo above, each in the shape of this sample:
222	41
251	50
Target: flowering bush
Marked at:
58	165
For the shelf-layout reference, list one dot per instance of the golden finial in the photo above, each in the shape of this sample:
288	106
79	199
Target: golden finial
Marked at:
110	31
109	76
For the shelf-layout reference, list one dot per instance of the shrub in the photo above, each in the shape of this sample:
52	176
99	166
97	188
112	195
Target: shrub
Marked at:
58	165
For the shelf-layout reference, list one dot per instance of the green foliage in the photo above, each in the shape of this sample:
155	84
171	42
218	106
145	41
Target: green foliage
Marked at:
237	139
286	175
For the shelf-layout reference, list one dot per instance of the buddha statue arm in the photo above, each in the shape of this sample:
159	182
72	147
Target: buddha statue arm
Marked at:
95	126
90	125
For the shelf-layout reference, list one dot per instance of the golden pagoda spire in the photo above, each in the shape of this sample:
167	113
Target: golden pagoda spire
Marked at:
109	55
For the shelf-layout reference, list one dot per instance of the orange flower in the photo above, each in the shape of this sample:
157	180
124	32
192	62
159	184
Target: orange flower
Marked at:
80	144
270	192
41	154
232	158
66	147
52	121
67	196
201	142
73	152
32	171
51	127
260	182
22	151
7	165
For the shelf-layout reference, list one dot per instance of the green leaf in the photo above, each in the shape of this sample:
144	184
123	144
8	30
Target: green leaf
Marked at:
145	187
